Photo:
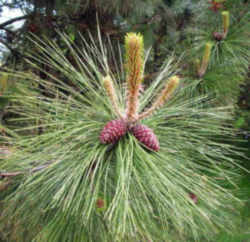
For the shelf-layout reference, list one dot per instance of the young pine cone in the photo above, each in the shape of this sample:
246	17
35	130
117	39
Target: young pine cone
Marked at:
113	131
146	136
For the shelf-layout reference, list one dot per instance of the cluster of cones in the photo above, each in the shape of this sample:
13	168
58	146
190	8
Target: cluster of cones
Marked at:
115	129
130	121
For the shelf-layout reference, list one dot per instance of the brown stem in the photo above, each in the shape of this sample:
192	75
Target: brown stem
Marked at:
10	174
17	173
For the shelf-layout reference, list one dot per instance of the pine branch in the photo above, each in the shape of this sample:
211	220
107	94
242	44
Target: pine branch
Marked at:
13	21
138	187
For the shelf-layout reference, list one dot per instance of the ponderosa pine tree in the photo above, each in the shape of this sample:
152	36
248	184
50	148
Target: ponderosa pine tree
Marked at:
98	148
176	183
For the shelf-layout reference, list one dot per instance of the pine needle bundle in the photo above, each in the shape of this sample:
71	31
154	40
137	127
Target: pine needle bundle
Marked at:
86	171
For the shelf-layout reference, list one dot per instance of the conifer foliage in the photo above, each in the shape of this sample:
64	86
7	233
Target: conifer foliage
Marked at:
115	129
86	172
222	44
